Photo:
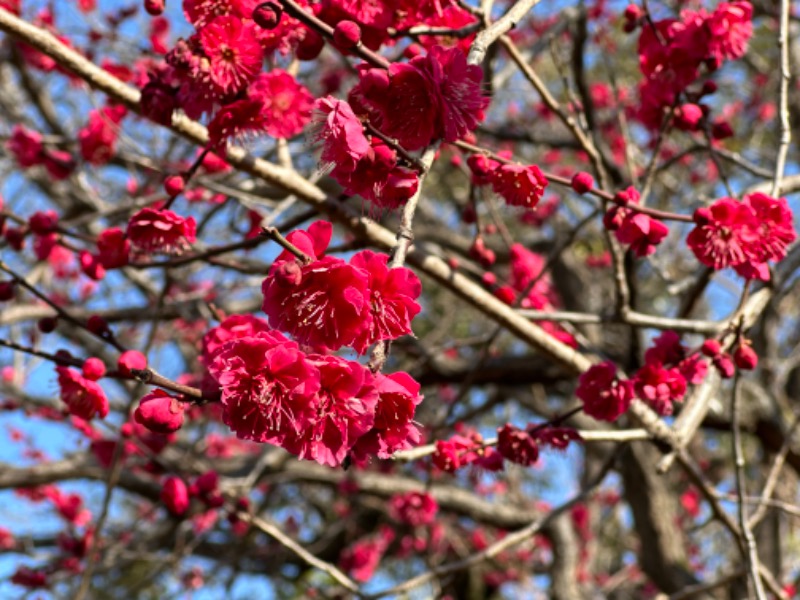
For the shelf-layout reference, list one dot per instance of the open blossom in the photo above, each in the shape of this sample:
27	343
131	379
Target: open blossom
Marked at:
202	12
268	387
341	134
604	396
84	398
328	305
436	96
744	235
98	139
413	508
517	445
659	387
379	178
26	146
519	185
639	231
275	103
159	230
672	52
392	299
345	410
233	51
286	105
394	428
730	28
234	120
232	328
113	248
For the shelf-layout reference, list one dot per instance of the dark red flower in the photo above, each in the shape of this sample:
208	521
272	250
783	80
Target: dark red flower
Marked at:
26	146
392	298
604	396
232	328
113	247
519	185
341	134
98	139
723	234
413	508
330	306
286	105
394	429
345	410
659	387
517	445
773	227
159	230
84	398
269	387
234	52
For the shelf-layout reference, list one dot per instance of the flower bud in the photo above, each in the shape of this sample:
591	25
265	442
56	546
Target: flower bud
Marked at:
175	496
160	412
582	182
93	368
346	35
745	357
132	359
154	7
174	185
268	15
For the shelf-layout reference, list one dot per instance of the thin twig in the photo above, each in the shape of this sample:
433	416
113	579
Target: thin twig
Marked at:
746	533
783	103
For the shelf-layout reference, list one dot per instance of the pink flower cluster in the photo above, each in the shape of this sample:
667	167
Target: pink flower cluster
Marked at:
672	51
432	97
663	379
217	71
316	405
29	150
744	235
329	303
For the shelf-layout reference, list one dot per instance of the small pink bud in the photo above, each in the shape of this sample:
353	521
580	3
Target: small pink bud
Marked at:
154	7
160	412
93	368
505	294
346	35
745	357
268	15
175	496
174	185
91	266
132	359
724	364
582	182
711	348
